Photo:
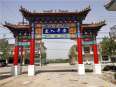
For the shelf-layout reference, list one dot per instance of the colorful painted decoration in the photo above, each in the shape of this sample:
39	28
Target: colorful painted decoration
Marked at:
88	42
72	30
23	43
55	36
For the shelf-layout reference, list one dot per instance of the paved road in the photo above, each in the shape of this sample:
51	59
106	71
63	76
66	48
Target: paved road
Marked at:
52	75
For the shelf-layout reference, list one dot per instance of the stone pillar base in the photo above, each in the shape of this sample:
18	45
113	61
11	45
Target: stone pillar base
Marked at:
31	70
16	70
81	69
97	69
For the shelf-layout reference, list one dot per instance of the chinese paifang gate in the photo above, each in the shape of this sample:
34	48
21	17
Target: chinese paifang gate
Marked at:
55	25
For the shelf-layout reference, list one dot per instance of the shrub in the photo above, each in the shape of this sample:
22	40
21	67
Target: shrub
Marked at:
88	70
108	68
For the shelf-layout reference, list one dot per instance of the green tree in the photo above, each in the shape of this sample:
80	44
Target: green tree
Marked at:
43	53
4	48
108	47
73	54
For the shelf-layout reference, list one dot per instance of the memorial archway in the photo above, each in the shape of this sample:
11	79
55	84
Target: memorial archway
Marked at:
58	25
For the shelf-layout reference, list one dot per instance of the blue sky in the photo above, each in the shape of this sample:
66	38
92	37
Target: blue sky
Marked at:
9	11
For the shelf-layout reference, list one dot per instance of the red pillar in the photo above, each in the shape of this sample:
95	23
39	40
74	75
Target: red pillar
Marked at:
79	43
32	51
95	52
16	53
79	48
32	45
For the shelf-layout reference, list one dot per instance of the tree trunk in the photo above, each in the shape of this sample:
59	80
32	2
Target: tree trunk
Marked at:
23	61
23	57
6	60
72	60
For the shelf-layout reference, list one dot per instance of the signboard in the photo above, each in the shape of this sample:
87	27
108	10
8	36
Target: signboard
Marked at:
55	30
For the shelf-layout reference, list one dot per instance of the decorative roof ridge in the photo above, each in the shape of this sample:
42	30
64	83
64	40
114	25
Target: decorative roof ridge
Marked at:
100	23
9	25
88	8
22	9
95	24
20	23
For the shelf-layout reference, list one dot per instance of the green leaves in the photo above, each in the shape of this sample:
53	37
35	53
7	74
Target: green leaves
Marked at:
108	46
73	51
4	48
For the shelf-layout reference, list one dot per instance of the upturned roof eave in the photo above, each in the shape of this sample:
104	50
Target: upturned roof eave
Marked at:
94	26
27	14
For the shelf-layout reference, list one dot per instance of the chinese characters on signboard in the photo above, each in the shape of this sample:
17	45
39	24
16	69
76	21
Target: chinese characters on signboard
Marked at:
55	30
